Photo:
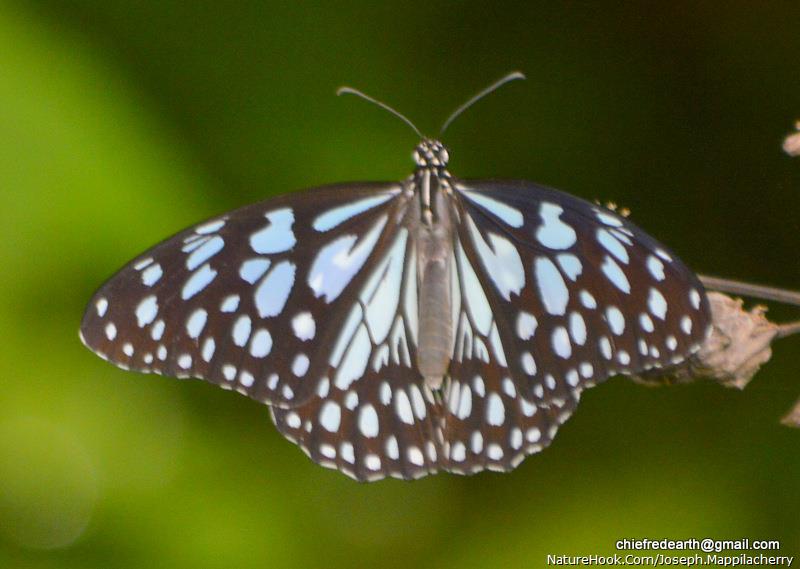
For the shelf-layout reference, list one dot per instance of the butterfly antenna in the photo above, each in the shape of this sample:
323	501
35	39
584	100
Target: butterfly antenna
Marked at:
351	91
514	75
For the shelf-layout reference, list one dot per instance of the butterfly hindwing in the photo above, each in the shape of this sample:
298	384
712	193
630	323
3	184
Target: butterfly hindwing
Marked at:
251	300
373	417
488	423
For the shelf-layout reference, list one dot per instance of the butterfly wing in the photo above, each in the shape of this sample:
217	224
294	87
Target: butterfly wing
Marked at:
557	294
374	417
487	422
252	300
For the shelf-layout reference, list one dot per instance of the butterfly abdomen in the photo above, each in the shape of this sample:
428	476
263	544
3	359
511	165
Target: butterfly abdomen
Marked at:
435	328
435	254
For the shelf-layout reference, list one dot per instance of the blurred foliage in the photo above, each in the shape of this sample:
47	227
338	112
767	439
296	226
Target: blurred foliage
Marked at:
121	122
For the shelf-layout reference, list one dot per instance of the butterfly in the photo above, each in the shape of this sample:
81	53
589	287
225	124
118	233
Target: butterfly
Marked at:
404	328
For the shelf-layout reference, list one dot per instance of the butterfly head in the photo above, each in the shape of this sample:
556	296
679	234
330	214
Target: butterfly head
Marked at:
431	153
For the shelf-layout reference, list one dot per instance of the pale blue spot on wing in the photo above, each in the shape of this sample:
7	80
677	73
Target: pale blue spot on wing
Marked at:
510	215
146	311
501	260
196	323
209	227
554	233
614	273
277	236
561	344
552	289
570	264
241	330
273	292
337	215
300	365
656	267
615	320
382	298
612	245
330	416
355	359
199	280
526	325
608	219
577	328
261	343
338	262
229	303
368	421
253	269
473	295
657	304
495	410
205	252
152	274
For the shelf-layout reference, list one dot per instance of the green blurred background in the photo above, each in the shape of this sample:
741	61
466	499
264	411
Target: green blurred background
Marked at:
122	122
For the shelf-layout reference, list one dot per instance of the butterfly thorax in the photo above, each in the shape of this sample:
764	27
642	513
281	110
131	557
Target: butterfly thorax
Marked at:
433	239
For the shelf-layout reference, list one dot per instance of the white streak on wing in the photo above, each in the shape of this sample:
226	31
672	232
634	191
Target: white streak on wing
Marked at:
614	273
410	302
403	407
333	217
455	303
382	300
273	292
277	236
612	245
152	274
497	346
209	226
552	289
399	343
199	280
475	297
338	262
510	215
346	334
464	403
607	218
205	252
501	261
355	360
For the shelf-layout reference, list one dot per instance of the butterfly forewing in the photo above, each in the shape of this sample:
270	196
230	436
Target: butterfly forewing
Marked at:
579	292
252	300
